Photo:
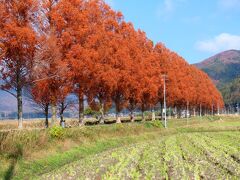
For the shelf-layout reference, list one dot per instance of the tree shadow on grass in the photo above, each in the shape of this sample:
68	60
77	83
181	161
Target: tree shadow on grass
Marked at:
9	173
15	156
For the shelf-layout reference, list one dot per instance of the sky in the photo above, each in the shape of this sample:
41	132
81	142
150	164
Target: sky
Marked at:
195	29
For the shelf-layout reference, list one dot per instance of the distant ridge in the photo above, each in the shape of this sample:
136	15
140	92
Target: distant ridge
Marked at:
224	70
223	67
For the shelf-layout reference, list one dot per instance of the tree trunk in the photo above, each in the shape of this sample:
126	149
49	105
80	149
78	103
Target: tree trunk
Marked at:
238	109
153	115
132	115
176	114
61	114
170	112
161	111
200	111
118	119
81	109
46	116
143	117
102	113
179	113
212	110
20	108
54	114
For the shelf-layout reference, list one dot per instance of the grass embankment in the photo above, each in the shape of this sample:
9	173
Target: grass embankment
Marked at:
30	153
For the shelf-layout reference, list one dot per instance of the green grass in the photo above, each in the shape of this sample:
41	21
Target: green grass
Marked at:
45	165
40	153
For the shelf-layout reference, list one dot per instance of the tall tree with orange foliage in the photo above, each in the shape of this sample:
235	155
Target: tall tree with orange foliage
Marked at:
58	29
187	87
92	57
46	57
86	54
39	93
150	74
18	43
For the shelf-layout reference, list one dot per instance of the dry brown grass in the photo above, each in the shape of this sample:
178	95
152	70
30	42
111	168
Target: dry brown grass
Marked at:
13	124
31	123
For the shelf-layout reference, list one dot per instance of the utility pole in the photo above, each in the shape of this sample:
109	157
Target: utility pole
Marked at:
164	103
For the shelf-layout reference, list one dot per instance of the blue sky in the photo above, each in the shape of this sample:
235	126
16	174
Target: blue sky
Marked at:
194	29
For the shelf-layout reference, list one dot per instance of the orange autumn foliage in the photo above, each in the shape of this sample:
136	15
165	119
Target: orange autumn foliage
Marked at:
86	48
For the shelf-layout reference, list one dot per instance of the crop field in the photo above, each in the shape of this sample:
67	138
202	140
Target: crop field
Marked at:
209	155
197	148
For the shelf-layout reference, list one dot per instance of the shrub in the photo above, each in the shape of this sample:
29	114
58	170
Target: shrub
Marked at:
152	124
213	118
148	125
90	112
157	124
57	132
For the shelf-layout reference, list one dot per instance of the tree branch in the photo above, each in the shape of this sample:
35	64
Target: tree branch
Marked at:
10	92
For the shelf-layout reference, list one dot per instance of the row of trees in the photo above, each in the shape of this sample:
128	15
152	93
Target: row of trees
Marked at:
55	48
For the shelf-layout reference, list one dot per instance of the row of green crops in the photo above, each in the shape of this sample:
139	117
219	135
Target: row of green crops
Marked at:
209	155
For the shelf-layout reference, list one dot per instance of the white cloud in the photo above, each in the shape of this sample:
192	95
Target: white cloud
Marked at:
229	4
168	7
221	42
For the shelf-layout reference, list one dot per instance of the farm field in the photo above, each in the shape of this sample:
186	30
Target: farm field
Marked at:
200	148
185	156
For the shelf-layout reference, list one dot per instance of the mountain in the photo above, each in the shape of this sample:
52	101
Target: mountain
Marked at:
224	69
7	102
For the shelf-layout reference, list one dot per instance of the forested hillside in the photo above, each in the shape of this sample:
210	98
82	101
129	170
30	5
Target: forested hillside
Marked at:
231	91
223	67
224	70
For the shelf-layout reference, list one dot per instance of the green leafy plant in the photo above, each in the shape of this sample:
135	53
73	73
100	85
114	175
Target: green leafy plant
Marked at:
57	132
152	124
157	124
